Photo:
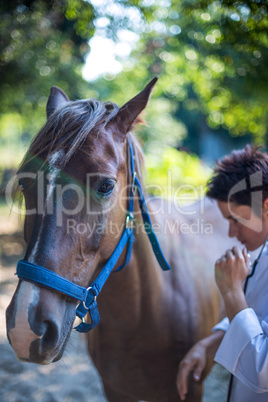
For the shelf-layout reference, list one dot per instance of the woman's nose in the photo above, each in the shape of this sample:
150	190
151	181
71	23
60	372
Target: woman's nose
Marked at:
233	232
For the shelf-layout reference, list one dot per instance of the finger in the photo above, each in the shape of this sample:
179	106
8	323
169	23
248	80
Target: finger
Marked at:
182	394
246	256
198	372
229	254
218	263
237	252
222	258
182	378
182	384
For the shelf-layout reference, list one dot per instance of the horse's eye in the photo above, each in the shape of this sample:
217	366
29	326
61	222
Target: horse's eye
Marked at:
105	188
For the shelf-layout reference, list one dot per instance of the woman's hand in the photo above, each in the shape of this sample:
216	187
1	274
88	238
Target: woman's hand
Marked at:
195	360
231	270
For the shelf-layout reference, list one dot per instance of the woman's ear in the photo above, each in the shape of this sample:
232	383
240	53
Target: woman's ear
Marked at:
265	207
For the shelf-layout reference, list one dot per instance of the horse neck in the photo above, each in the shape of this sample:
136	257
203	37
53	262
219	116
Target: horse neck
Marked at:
134	294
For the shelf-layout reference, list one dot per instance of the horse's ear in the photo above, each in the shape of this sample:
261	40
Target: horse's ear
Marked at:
130	111
56	99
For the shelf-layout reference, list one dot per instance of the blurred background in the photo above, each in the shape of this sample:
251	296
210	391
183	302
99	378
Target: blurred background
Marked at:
211	58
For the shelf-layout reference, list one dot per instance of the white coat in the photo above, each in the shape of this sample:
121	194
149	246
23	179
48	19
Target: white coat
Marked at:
244	348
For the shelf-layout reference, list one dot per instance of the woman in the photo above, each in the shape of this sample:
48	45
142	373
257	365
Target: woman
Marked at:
240	341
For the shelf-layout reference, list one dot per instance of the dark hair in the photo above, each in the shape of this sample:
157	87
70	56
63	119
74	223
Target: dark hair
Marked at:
238	175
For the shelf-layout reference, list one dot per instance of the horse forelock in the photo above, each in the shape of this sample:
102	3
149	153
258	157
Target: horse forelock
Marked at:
66	131
68	127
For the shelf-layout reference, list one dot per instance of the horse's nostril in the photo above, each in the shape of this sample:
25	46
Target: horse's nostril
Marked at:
50	334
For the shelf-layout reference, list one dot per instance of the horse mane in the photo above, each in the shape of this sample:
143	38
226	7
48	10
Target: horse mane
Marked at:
68	127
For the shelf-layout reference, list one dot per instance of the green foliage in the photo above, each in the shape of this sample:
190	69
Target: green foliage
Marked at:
82	13
176	173
160	128
211	58
40	47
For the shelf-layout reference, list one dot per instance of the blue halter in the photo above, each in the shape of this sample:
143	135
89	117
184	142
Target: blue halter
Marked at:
88	296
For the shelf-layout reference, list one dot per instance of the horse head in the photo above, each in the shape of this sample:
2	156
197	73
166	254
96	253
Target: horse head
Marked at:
74	179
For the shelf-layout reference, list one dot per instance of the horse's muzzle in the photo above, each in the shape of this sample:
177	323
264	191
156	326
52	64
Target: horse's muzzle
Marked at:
39	323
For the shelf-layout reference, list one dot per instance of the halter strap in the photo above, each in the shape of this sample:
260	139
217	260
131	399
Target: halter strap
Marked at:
88	296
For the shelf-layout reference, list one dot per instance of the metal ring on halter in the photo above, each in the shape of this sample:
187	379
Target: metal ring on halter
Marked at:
134	187
95	298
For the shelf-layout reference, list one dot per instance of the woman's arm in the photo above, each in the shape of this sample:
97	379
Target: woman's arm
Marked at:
244	349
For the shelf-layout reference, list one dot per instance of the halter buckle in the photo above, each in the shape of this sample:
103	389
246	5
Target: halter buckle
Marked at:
129	220
94	298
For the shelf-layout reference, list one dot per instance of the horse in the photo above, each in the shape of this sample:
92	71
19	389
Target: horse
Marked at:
76	181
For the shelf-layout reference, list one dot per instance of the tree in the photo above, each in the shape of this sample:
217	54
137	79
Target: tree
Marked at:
42	43
211	57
